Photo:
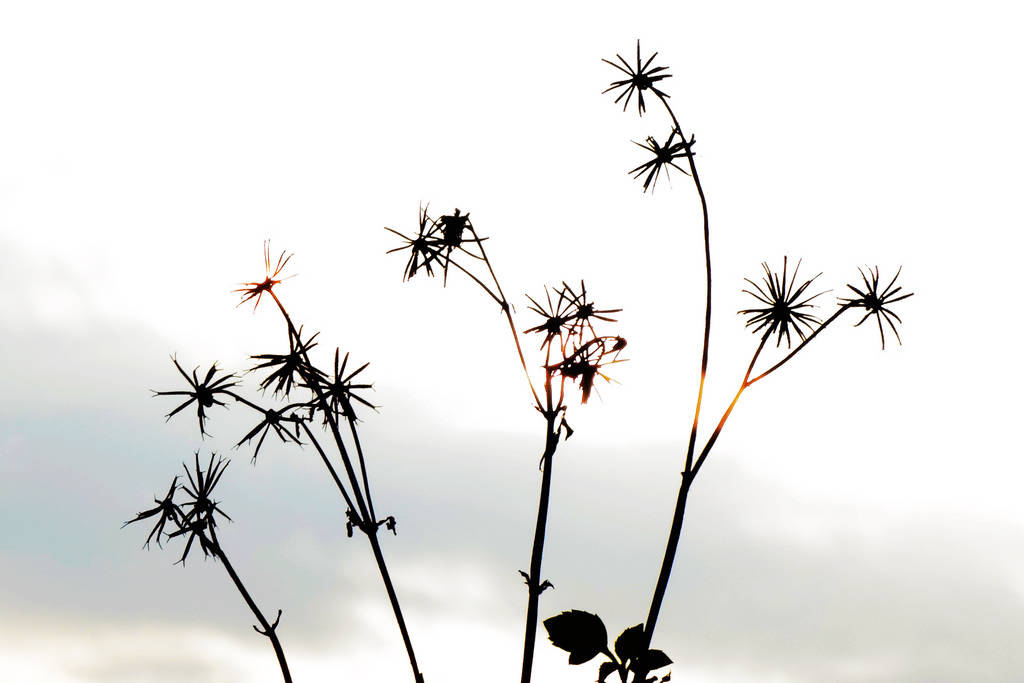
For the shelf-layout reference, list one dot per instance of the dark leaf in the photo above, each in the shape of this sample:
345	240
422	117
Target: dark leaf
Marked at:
607	668
630	642
579	633
651	660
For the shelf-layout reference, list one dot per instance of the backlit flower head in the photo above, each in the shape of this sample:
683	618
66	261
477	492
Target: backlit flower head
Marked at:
664	156
424	249
640	78
289	367
875	301
340	389
785	309
275	420
202	392
167	511
584	363
250	290
200	513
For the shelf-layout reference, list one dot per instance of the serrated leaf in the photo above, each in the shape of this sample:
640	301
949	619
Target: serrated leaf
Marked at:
651	660
607	668
579	633
630	642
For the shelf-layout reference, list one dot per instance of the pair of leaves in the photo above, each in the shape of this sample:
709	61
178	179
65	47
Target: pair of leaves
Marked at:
584	636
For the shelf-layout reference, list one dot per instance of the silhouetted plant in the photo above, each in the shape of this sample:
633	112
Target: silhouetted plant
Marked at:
573	352
196	519
311	402
783	307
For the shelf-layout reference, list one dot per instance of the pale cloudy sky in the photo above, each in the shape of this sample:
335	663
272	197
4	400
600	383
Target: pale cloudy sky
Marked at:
860	518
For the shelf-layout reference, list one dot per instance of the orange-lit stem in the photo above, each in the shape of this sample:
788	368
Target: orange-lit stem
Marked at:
677	517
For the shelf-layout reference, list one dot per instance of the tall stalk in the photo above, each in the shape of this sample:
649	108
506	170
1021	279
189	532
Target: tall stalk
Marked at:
583	352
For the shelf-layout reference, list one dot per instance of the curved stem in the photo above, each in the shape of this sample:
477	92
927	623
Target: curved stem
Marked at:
269	630
707	304
675	532
687	478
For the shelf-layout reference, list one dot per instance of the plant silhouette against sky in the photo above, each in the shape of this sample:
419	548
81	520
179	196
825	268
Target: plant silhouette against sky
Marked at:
573	349
782	308
302	403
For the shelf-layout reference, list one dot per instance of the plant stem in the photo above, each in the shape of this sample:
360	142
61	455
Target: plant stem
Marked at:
369	525
533	581
687	478
371	533
269	630
707	302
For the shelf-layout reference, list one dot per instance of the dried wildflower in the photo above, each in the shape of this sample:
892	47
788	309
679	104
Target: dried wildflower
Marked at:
203	393
272	420
585	310
453	230
425	248
583	365
570	313
339	390
167	510
643	77
664	156
874	302
199	514
289	365
255	290
558	315
783	298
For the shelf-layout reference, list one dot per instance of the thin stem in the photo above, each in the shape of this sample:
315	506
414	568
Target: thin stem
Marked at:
269	630
362	467
368	526
506	309
677	519
330	467
688	477
707	305
378	555
684	487
314	384
805	342
728	411
534	584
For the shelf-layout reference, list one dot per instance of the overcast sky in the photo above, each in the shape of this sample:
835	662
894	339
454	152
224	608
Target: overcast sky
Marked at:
860	519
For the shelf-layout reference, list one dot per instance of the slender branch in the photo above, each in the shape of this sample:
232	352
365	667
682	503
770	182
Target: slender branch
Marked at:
677	516
533	581
805	342
707	304
378	555
506	309
368	525
269	630
314	384
330	467
362	467
677	519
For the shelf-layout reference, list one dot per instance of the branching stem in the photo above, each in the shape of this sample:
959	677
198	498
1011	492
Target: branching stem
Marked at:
269	630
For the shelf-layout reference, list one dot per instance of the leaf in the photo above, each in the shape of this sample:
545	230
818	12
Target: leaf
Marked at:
651	660
579	633
607	668
630	642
